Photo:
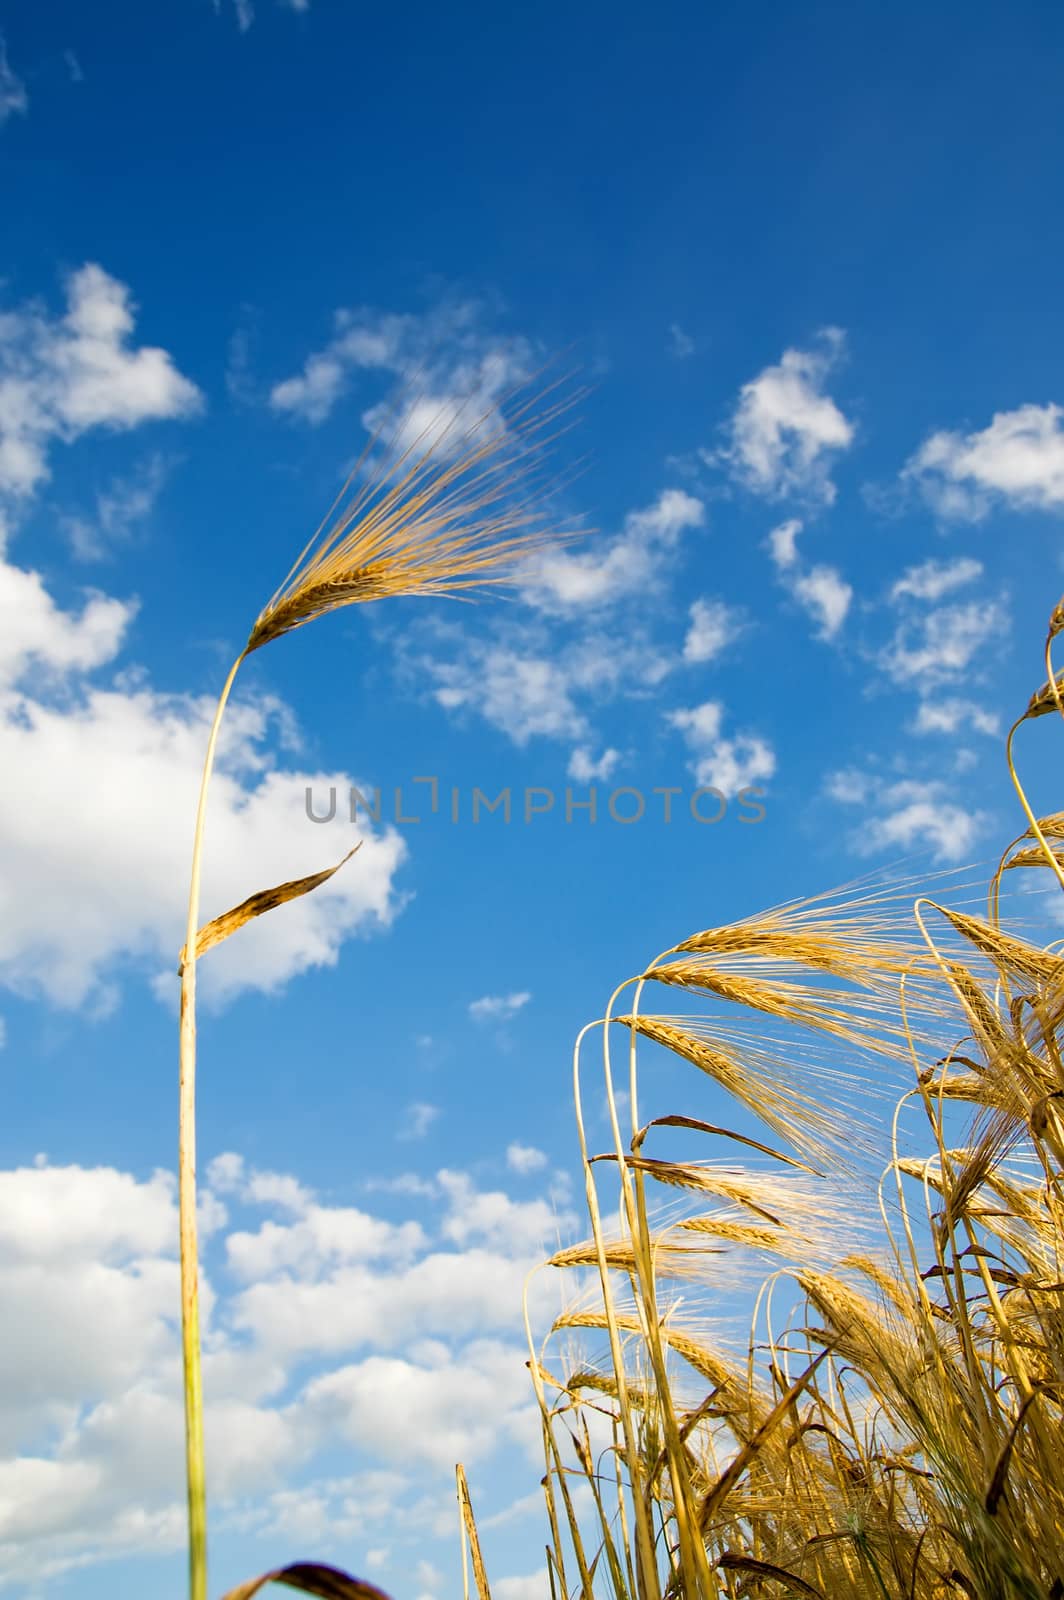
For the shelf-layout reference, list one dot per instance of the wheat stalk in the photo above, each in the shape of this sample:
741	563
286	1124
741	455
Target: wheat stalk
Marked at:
461	507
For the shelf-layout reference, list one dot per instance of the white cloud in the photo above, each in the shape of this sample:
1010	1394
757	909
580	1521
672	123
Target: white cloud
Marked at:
525	680
244	10
441	1412
631	563
712	628
786	430
585	768
125	502
535	1586
726	764
524	1158
943	644
523	1227
954	715
907	815
419	1335
783	543
1017	460
35	635
60	377
919	814
680	345
933	579
13	97
848	787
498	1007
826	596
523	694
475	374
94	834
820	590
417	1120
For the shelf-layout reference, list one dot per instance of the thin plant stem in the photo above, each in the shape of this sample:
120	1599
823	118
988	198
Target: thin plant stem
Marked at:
195	1466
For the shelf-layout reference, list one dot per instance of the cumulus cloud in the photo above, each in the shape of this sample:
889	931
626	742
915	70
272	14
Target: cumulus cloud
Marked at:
820	590
535	1586
37	635
62	376
826	596
442	1411
414	1338
631	563
94	821
713	626
498	1007
524	1158
727	764
783	543
786	430
585	768
1017	461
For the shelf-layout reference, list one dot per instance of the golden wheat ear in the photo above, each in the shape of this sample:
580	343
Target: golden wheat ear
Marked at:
462	506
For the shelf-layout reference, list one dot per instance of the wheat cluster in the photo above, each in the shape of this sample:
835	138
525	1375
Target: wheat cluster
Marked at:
888	1202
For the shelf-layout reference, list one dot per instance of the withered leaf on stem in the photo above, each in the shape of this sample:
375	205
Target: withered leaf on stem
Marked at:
220	928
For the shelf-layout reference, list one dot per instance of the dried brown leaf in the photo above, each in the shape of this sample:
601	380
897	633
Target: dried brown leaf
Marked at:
310	1577
220	928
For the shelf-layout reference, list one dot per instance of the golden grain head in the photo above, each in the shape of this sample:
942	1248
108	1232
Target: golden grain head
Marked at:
1047	698
459	507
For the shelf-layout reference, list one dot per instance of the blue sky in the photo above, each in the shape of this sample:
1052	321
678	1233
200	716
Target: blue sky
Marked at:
809	262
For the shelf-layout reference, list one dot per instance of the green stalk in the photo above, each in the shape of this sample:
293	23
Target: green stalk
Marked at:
195	1466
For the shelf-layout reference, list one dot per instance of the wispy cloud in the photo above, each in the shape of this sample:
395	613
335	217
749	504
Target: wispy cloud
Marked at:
455	366
417	1120
906	814
680	344
932	579
126	502
14	101
955	715
499	1007
941	645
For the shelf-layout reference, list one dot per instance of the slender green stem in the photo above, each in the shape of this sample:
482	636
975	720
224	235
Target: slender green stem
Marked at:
186	1169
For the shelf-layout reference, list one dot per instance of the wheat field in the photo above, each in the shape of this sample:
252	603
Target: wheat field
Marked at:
884	1198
